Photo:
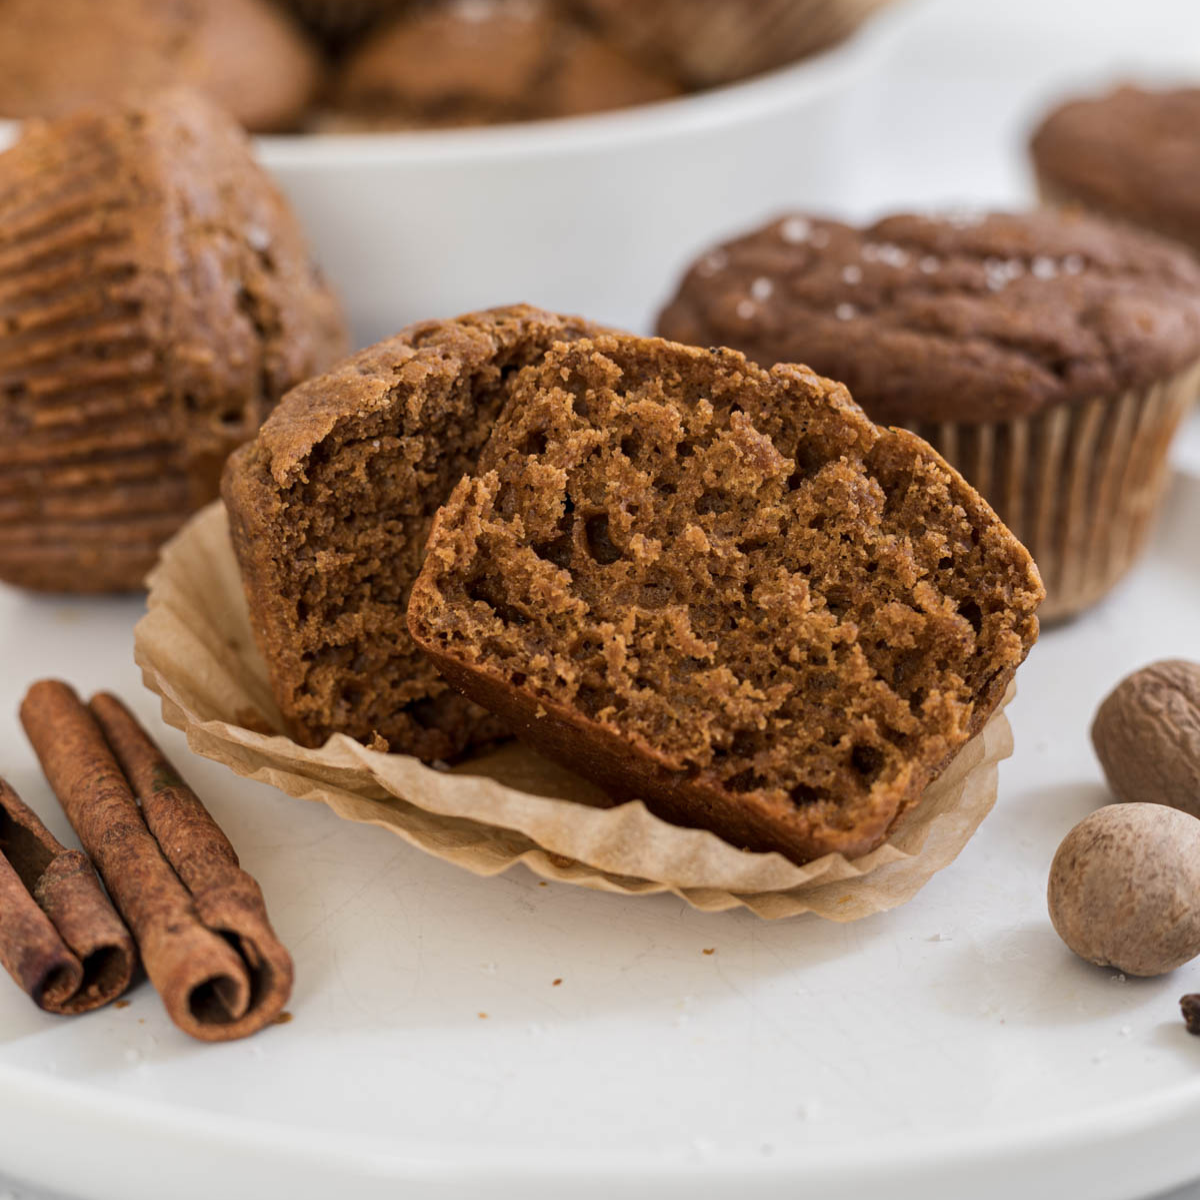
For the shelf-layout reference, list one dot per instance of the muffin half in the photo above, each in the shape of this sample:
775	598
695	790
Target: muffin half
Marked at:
330	507
723	591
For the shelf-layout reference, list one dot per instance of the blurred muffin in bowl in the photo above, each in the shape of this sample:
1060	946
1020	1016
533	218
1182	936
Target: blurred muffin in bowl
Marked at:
710	42
246	55
484	62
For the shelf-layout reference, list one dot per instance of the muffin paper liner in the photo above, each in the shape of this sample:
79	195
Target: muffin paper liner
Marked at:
1079	484
197	651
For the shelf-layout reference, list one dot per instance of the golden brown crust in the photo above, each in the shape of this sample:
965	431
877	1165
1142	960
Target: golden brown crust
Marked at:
967	317
725	592
329	510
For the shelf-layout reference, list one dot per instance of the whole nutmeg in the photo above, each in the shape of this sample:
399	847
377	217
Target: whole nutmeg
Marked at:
1125	888
1147	736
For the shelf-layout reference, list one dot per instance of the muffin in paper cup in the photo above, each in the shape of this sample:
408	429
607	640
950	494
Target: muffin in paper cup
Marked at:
1049	356
1132	154
197	651
158	298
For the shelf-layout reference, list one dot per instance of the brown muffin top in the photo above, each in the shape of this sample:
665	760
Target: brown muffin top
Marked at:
965	317
487	61
246	55
158	298
1132	152
711	42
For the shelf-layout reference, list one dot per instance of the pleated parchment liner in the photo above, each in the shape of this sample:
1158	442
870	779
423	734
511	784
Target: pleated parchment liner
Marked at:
196	650
1079	484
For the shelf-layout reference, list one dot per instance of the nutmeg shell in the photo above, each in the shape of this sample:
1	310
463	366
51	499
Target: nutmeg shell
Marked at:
1147	736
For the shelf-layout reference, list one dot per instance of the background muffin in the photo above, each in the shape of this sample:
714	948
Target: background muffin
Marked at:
485	61
1133	154
709	42
336	23
247	55
1050	357
156	299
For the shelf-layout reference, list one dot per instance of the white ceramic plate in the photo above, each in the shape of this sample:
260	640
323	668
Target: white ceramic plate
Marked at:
952	1047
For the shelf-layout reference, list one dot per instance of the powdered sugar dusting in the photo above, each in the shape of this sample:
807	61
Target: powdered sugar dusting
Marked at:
795	230
712	263
845	312
762	288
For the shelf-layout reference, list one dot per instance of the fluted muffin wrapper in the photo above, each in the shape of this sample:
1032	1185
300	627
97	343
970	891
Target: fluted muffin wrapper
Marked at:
84	419
196	650
1079	484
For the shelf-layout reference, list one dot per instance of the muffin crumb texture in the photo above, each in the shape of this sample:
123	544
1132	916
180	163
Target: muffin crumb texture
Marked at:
728	593
331	506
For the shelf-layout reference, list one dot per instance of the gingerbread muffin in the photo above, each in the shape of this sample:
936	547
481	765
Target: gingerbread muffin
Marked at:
1049	356
473	62
330	507
725	592
246	55
1132	154
156	299
710	42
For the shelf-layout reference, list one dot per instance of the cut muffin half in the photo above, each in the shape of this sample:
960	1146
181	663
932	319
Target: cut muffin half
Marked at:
329	509
724	591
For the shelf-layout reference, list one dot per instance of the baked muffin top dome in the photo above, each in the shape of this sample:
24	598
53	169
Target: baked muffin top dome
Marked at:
963	317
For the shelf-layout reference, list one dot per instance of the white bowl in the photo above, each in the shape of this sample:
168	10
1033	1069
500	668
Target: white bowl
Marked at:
591	214
596	215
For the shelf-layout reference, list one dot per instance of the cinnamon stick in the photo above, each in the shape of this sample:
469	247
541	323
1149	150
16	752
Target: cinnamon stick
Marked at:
60	938
210	952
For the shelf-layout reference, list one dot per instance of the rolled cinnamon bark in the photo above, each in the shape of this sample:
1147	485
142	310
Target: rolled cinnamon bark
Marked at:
228	899
60	938
209	989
